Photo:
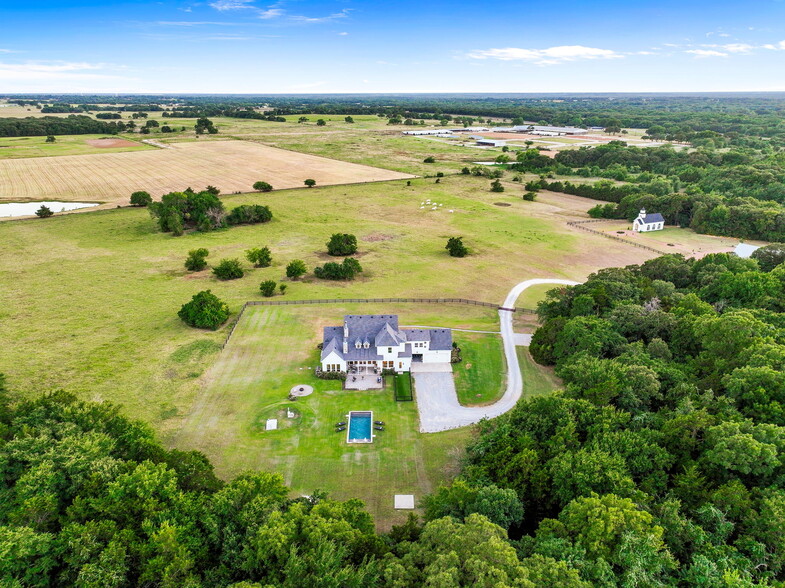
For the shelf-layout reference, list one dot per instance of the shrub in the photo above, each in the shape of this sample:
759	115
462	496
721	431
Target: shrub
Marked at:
262	187
295	269
321	122
141	198
267	288
466	171
429	159
259	257
310	182
228	269
456	247
249	214
345	270
212	190
282	288
342	244
204	311
439	174
530	196
44	212
496	186
196	260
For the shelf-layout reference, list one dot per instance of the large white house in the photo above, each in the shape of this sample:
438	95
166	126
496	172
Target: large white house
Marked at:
648	222
375	341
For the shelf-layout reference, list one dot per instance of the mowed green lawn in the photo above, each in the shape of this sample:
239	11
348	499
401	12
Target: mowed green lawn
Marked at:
274	349
481	375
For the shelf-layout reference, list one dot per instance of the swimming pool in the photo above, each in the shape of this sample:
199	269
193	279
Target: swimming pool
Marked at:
360	430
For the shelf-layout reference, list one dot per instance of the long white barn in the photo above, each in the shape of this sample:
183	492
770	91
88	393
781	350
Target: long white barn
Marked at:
374	340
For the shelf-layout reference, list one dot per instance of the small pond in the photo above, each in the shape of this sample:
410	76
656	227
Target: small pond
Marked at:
28	208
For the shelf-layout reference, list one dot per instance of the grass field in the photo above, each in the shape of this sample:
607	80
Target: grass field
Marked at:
112	338
274	349
230	165
537	379
22	147
90	303
480	378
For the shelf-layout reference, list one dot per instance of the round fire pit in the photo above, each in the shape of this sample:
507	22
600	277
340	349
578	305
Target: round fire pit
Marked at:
301	390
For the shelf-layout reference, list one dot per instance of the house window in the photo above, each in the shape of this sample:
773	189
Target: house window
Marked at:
389	350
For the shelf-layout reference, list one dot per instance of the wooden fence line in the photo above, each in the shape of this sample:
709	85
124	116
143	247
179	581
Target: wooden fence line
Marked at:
369	301
579	225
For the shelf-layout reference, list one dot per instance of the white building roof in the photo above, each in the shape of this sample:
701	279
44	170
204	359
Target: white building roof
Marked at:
745	250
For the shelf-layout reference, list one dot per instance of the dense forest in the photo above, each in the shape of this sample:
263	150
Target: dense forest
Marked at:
660	463
736	192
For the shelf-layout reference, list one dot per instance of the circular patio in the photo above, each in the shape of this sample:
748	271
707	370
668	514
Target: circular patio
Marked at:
301	390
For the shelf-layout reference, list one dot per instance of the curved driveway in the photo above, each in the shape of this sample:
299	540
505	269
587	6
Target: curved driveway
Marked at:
437	401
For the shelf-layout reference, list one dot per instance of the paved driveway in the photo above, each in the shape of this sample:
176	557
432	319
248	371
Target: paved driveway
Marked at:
437	401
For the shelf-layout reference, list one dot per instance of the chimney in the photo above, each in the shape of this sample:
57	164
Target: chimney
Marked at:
345	329
345	346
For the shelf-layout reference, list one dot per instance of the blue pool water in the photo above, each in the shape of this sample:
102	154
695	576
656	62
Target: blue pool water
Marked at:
360	427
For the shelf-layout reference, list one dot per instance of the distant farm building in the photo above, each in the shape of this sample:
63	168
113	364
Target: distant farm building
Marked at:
745	250
427	132
648	222
543	130
491	142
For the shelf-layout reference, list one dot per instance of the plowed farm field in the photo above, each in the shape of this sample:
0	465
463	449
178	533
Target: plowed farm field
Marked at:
232	166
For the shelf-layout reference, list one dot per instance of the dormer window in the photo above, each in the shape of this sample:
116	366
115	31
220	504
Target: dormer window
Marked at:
366	344
357	344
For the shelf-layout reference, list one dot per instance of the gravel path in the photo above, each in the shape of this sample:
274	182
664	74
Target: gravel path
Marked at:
437	401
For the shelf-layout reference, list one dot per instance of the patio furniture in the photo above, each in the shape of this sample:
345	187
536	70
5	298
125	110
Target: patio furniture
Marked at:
378	428
341	424
339	429
381	423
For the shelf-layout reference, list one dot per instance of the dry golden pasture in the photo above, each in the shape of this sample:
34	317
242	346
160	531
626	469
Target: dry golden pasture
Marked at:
232	166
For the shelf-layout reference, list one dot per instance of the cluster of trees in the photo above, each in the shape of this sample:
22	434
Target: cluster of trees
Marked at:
204	211
205	125
53	125
662	462
744	218
91	498
346	270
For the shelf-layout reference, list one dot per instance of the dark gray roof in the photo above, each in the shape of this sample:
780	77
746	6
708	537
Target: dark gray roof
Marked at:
378	330
440	339
653	218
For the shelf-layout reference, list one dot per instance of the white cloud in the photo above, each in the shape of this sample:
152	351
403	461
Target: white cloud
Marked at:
706	53
549	56
317	19
36	70
223	5
342	34
271	13
737	48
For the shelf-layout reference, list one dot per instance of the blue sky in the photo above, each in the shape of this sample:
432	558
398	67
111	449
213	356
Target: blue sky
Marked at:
303	46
